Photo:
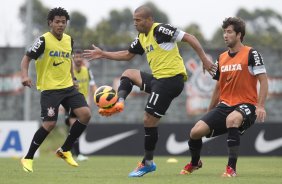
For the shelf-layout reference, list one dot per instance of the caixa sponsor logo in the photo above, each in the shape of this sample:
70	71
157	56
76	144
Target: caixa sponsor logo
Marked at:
11	141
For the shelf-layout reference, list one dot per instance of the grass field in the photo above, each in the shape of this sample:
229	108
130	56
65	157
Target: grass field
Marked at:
114	170
49	169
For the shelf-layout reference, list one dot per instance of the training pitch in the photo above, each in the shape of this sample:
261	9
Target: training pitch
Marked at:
49	169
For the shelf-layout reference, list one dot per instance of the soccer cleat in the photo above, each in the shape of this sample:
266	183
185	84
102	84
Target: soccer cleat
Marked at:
118	107
229	172
189	168
81	157
27	164
67	156
142	169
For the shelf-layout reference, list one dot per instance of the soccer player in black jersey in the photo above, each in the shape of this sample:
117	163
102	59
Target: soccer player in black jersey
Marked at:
52	54
158	42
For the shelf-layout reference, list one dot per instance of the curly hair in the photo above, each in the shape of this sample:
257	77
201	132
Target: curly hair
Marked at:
57	12
238	24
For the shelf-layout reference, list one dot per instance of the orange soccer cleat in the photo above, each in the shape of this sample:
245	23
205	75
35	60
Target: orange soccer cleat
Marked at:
118	107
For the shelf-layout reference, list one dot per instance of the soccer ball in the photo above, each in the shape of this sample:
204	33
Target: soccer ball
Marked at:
105	97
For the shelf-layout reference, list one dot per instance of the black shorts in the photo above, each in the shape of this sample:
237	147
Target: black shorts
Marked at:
50	101
162	92
216	118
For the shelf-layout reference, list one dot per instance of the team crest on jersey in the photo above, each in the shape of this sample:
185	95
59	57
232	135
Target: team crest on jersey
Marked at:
51	111
234	67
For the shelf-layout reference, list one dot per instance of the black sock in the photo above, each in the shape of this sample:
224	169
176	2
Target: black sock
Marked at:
150	141
233	142
195	147
75	148
37	140
75	131
125	87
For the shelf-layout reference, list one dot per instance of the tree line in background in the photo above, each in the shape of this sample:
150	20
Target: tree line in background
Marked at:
264	28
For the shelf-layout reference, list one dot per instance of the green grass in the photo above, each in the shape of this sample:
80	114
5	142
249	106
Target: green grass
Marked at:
114	170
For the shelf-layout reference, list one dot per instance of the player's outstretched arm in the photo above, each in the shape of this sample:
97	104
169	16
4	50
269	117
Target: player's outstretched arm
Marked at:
97	53
195	44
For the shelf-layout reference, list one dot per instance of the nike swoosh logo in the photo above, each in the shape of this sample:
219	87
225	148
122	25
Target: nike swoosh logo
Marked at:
148	107
228	79
36	143
91	147
264	146
57	64
175	147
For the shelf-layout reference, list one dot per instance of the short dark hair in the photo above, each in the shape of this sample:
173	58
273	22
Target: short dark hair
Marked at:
57	12
238	25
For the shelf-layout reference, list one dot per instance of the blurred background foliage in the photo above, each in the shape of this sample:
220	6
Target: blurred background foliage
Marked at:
264	28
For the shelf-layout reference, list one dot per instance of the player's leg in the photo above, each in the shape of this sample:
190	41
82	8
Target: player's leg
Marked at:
37	140
240	119
77	102
200	130
69	121
150	140
163	91
150	137
75	149
49	112
70	118
129	78
157	104
211	124
233	121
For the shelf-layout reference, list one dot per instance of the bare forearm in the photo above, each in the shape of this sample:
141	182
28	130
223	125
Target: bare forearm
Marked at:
195	44
97	53
119	55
